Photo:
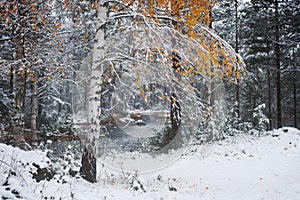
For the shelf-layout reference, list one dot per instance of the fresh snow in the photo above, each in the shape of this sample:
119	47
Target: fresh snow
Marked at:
240	167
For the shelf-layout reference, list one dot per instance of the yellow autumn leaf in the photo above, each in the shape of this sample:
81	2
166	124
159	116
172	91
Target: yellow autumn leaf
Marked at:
238	74
44	22
191	88
58	25
141	91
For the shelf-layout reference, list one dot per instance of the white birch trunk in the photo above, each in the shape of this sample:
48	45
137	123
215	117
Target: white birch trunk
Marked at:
96	70
88	168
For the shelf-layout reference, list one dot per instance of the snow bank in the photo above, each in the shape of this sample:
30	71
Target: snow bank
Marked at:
241	167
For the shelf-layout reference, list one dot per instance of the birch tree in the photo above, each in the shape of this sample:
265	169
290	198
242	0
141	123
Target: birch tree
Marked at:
136	43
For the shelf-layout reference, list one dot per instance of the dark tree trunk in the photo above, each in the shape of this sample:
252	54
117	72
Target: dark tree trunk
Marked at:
24	92
175	115
295	96
69	96
11	93
20	88
20	74
61	96
88	165
269	101
11	81
39	113
175	109
278	72
237	89
34	108
21	71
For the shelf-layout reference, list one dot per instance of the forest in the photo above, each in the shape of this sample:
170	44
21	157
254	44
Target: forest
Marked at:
94	83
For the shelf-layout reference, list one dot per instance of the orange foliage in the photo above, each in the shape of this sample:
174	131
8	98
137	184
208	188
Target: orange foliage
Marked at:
190	18
182	12
58	25
186	16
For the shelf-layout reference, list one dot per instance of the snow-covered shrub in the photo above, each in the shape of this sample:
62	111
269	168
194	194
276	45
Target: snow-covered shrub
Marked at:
257	125
57	123
162	139
215	127
235	125
261	121
65	154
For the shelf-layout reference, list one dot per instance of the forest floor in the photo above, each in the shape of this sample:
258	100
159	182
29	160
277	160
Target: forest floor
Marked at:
239	167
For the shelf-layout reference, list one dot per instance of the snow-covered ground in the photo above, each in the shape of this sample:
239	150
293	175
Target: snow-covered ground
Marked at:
240	167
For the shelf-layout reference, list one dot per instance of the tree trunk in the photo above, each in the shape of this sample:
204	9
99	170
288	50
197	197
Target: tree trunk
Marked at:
11	93
278	71
88	165
269	101
175	115
34	108
21	71
88	169
237	89
20	87
24	89
11	82
295	96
